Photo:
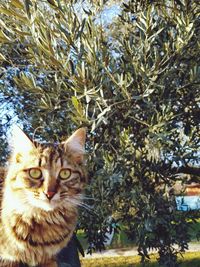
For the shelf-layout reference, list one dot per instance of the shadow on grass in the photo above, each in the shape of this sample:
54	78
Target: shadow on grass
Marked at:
190	259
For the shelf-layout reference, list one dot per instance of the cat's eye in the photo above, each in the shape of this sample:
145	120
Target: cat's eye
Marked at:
65	174
35	173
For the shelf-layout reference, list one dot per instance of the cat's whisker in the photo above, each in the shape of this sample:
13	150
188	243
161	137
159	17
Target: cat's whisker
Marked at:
64	195
88	198
86	195
80	204
83	197
85	206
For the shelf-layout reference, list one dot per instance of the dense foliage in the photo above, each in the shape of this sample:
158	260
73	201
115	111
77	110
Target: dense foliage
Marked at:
133	80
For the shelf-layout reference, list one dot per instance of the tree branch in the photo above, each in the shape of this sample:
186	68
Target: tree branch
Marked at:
186	170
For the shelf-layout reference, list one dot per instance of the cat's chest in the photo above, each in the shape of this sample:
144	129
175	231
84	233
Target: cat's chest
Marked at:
42	228
40	235
47	232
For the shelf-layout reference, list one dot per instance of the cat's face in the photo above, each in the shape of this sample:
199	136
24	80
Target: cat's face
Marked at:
47	176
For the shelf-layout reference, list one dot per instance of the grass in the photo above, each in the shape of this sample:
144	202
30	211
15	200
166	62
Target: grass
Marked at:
190	259
120	261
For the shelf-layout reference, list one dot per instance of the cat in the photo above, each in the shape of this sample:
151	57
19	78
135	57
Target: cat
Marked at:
40	196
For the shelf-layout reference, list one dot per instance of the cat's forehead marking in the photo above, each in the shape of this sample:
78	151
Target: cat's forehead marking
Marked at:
49	154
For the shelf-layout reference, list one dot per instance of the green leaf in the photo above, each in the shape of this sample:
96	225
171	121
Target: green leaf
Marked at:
4	38
17	3
52	2
12	13
28	4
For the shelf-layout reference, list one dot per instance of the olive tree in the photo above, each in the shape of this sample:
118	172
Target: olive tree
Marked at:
134	82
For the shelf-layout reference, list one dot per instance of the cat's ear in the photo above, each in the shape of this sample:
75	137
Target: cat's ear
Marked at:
75	144
21	144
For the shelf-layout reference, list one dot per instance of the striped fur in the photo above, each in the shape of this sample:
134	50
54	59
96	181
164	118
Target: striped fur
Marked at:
34	227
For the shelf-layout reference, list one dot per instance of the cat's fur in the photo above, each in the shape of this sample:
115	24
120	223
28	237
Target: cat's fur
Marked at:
33	227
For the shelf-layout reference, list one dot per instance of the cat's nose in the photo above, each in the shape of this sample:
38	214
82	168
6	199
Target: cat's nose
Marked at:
50	194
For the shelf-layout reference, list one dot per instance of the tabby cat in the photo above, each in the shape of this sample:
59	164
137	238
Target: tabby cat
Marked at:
40	196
